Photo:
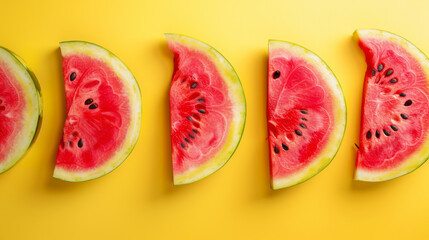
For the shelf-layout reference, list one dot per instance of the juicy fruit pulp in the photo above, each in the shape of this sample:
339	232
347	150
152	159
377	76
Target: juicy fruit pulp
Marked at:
207	109
395	107
20	109
306	114
103	112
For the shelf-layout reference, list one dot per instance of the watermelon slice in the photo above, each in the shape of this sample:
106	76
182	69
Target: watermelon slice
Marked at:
306	114
20	108
207	109
394	134
103	112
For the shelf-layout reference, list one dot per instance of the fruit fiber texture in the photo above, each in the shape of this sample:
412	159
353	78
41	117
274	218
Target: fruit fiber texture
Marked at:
103	112
207	109
306	114
20	109
395	107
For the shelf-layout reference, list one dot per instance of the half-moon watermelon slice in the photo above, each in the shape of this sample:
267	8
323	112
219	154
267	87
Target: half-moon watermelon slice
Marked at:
103	112
20	108
394	138
207	109
306	114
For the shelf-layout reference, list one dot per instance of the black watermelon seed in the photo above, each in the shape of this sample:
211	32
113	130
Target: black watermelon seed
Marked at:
194	85
380	67
276	149
393	80
72	76
408	103
80	143
302	125
368	134
276	74
402	94
377	134
386	132
394	128
299	133
356	146
191	136
404	116
303	112
183	145
201	111
373	72
195	131
285	147
187	140
88	101
304	119
389	72
93	106
201	100
189	118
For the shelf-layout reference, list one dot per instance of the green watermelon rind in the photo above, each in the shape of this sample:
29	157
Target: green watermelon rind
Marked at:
424	57
138	123
36	85
321	168
232	71
39	92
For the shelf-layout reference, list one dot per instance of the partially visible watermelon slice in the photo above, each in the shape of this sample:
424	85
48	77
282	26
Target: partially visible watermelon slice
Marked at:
207	109
103	112
306	114
20	108
394	134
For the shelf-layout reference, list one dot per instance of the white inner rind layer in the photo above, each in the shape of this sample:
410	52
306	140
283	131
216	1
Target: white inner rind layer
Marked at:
238	102
133	93
339	113
30	115
420	156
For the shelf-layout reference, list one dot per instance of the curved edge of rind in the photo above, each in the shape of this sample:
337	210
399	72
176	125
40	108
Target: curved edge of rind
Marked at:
380	176
36	85
277	184
39	93
109	166
178	180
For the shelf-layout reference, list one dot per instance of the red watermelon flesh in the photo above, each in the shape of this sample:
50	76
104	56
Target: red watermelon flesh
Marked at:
100	129
11	108
395	107
302	114
20	109
295	102
100	112
207	109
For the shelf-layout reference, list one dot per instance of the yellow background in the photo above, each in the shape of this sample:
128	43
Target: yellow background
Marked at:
137	200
